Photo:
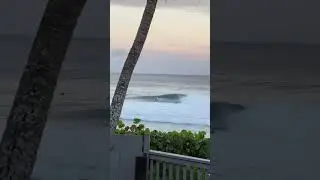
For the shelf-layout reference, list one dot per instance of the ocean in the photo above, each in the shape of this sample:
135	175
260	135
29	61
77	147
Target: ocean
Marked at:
167	102
252	74
277	84
274	83
275	135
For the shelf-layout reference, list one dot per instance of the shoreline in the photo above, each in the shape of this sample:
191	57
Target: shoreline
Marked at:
167	127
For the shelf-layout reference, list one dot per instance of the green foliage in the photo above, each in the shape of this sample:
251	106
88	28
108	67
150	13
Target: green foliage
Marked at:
184	142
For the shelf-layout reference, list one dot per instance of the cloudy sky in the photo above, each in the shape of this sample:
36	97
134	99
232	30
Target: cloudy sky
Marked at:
178	41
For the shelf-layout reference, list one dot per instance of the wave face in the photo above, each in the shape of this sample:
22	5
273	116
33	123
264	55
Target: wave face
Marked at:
165	98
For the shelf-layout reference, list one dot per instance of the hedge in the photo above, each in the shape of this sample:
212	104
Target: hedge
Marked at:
184	142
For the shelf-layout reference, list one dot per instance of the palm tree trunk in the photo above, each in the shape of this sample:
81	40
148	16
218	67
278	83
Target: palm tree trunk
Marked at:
28	116
130	63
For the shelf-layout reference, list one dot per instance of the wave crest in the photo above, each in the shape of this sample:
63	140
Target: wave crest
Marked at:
164	98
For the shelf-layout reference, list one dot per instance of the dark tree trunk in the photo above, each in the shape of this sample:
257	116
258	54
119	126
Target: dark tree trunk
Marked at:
130	63
28	116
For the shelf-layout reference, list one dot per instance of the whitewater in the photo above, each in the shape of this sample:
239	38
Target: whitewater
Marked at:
167	102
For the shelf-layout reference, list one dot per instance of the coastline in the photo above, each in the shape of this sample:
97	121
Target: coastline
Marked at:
167	127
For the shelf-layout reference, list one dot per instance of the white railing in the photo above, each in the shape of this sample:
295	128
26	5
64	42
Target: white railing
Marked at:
169	166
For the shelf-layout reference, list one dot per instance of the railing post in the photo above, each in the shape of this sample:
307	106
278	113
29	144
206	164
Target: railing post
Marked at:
146	144
146	150
141	168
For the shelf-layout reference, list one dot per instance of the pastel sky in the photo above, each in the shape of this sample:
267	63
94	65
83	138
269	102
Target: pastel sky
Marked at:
178	40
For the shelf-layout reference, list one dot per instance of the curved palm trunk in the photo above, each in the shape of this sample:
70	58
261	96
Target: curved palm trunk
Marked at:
28	116
130	63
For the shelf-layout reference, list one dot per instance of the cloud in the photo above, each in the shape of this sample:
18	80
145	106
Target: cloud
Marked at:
165	3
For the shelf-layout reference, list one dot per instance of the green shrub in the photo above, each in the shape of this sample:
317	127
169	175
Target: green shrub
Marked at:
184	142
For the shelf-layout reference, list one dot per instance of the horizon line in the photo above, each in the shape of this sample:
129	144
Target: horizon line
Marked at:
170	74
77	37
212	42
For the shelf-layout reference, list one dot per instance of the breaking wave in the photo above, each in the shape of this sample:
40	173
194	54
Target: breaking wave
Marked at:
165	98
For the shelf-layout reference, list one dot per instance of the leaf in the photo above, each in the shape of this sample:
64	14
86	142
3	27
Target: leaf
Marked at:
121	124
136	121
184	142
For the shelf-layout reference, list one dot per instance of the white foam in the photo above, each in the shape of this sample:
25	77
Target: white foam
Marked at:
193	109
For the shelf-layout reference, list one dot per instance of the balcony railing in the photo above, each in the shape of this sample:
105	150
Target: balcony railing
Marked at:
169	166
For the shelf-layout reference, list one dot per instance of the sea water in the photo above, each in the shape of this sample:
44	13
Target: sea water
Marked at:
167	102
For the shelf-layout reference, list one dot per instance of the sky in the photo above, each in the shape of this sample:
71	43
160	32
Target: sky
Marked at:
273	21
178	40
